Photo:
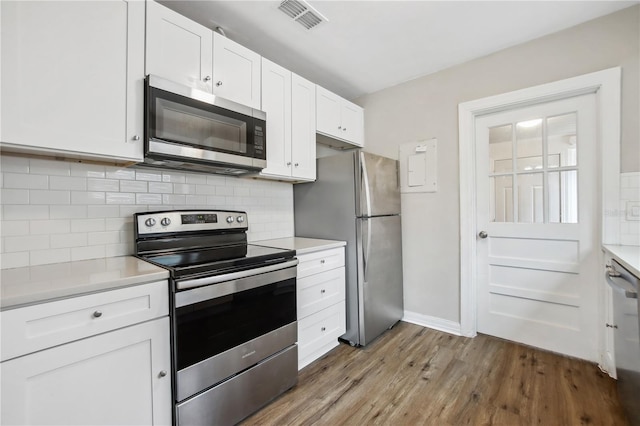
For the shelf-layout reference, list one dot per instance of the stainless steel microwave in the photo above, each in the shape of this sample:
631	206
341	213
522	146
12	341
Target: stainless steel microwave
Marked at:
193	130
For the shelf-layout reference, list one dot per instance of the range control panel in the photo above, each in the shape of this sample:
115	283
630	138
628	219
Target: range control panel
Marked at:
189	220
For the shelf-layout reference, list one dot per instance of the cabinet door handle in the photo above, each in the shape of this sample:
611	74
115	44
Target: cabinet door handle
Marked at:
135	138
207	78
323	291
296	164
322	261
218	83
323	329
288	163
344	129
339	127
97	314
162	373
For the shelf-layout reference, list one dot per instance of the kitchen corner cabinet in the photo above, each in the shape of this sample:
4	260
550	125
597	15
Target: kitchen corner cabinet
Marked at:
191	54
72	78
289	101
102	358
321	303
338	118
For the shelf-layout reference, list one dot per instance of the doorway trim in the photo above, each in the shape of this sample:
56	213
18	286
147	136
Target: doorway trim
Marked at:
606	85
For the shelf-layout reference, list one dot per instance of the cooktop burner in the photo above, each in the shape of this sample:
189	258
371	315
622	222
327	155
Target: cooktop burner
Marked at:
195	243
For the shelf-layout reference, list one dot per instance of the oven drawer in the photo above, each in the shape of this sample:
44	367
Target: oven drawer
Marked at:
324	260
319	291
321	329
32	328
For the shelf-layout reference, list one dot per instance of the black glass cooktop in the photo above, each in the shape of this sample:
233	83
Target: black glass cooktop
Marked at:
218	260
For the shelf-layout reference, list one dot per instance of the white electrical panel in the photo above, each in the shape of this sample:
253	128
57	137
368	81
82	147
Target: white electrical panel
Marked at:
418	166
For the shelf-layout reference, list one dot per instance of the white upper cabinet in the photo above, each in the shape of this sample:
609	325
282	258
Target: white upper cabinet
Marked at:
188	53
338	118
289	102
303	128
73	78
236	72
178	48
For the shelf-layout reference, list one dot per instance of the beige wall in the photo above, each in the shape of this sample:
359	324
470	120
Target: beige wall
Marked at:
428	107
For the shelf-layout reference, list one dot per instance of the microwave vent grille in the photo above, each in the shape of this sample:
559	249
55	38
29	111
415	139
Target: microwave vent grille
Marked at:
302	12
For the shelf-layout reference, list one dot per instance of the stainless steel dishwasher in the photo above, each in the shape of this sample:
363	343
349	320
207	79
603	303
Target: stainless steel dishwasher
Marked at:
626	324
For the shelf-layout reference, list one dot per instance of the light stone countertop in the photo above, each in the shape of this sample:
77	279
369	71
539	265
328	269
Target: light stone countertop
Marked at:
627	256
301	245
44	283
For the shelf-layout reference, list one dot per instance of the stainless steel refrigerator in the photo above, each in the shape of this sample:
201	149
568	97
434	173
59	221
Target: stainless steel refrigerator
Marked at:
356	198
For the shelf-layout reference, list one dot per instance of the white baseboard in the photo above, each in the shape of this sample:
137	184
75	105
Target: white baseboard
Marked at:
439	324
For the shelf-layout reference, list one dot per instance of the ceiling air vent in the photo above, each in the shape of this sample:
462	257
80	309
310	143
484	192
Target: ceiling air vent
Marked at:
302	12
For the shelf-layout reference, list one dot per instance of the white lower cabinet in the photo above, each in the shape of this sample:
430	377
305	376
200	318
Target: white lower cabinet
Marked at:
118	377
321	303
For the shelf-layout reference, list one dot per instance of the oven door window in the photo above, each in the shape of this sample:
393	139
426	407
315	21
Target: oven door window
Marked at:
211	327
187	121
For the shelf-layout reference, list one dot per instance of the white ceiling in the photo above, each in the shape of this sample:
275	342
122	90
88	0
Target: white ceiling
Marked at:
369	45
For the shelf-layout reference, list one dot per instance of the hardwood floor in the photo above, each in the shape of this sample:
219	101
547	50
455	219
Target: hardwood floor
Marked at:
416	376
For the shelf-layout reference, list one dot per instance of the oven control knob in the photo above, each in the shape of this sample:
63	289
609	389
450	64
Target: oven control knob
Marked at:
150	222
165	221
230	219
240	219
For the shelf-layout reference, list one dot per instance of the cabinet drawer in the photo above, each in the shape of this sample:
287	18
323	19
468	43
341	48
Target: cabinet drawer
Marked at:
321	328
313	263
319	291
37	327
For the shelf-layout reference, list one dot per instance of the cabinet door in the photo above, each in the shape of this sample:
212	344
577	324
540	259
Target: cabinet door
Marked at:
178	48
236	72
328	112
303	130
72	76
352	122
276	102
110	379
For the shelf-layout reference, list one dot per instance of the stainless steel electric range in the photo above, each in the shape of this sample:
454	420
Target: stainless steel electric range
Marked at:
233	312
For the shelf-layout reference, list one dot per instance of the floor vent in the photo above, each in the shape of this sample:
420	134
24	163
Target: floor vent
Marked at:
302	12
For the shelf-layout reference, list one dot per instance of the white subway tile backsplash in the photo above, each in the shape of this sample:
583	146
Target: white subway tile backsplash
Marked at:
38	166
87	197
25	181
24	212
14	260
69	240
68	183
40	196
160	187
14	196
103	185
88	225
50	227
66	210
133	186
87	170
11	164
629	197
26	243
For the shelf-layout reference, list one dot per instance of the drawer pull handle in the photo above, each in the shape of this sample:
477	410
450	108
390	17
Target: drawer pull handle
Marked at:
323	329
322	261
97	314
162	373
323	291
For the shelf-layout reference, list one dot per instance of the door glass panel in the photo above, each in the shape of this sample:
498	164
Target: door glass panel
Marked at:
529	145
530	198
562	140
501	149
501	199
563	197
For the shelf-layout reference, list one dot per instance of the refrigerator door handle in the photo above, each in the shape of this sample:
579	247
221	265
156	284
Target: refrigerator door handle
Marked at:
364	178
366	241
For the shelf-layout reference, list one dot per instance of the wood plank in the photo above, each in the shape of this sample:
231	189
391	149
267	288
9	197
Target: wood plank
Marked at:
413	375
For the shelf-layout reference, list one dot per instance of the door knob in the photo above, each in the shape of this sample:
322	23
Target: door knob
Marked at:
483	234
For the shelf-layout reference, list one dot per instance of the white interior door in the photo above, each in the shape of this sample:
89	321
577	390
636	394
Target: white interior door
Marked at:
537	249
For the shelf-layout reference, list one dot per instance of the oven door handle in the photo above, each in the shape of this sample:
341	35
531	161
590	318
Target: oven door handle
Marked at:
200	289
